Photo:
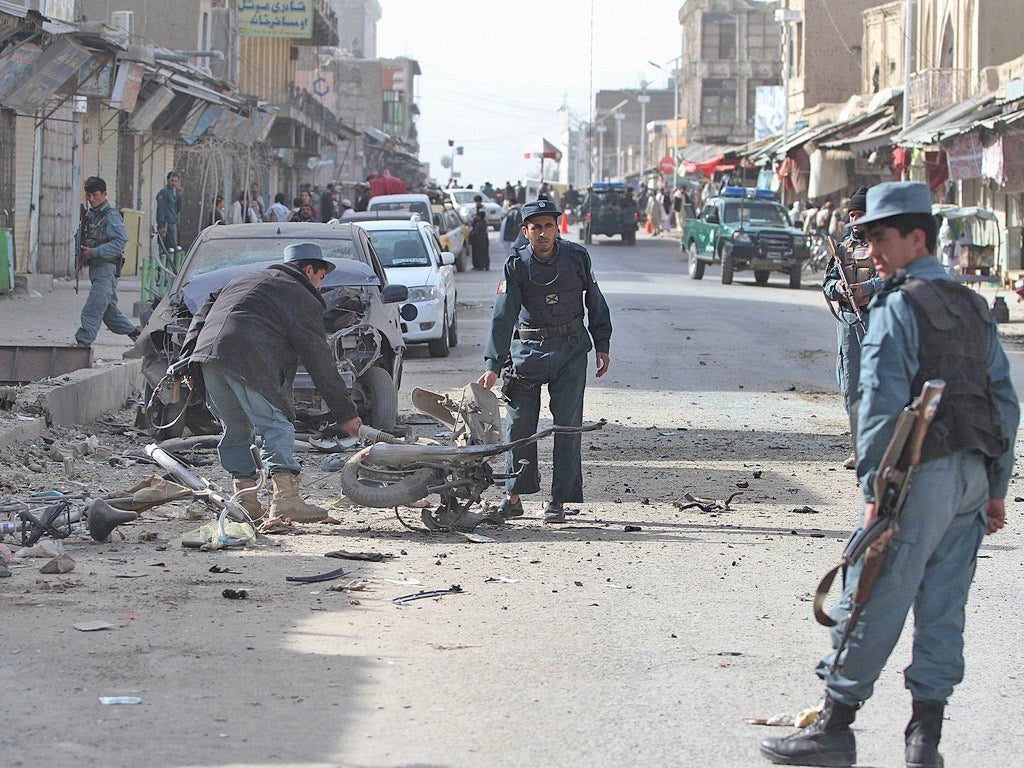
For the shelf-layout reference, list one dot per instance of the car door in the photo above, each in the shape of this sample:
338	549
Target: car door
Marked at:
706	233
445	272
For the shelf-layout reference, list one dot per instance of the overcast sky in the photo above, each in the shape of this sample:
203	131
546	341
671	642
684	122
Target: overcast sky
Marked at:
495	73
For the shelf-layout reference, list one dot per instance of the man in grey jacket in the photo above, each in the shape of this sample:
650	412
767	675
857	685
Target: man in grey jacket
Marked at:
249	338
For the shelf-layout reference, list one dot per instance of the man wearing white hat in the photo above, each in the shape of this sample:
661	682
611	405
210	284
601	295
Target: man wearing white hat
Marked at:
923	326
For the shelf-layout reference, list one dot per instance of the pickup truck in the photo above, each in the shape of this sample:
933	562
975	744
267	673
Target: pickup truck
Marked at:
609	209
744	228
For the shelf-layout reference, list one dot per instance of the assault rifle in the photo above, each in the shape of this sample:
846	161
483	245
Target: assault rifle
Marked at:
891	487
845	281
83	224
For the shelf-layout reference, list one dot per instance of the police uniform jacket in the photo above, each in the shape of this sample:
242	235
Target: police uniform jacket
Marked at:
551	295
105	228
903	345
168	206
260	326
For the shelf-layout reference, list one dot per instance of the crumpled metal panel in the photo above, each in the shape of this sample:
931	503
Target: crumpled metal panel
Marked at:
23	363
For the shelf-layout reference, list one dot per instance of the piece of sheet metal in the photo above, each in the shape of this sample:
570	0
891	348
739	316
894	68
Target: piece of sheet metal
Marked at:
24	363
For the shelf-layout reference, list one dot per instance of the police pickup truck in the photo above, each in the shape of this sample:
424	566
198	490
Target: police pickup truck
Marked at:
743	228
609	209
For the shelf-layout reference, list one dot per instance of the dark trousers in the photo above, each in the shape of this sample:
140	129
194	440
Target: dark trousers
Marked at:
566	361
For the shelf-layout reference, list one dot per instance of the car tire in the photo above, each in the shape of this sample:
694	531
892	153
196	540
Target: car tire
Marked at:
440	347
727	266
761	276
794	276
587	237
382	397
629	238
453	329
368	488
695	266
460	260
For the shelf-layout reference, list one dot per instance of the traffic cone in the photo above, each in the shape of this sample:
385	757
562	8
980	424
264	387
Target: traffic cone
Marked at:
564	229
647	227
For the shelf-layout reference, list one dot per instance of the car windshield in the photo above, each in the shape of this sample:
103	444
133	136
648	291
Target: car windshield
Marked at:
758	214
220	254
400	248
464	196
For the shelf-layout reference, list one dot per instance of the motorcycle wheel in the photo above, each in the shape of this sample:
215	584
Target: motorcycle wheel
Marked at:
369	487
382	397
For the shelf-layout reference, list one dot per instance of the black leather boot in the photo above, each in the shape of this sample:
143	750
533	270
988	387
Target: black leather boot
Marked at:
923	734
828	741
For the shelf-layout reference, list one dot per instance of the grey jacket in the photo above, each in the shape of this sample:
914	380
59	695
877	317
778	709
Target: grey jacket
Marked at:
260	326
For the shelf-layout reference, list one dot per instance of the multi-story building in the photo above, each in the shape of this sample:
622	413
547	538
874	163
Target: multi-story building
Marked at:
730	48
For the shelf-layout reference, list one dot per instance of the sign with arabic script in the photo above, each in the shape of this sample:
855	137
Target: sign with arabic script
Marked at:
275	18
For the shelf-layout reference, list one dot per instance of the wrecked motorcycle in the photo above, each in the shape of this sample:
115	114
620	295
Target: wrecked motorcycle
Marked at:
392	472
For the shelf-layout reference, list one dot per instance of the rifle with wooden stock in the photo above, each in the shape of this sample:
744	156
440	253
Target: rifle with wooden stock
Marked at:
845	281
891	486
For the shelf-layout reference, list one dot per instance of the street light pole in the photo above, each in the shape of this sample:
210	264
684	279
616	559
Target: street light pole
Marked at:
600	151
619	117
674	74
644	100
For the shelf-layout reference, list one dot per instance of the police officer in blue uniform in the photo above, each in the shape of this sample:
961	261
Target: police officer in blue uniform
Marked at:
853	262
540	336
104	238
923	326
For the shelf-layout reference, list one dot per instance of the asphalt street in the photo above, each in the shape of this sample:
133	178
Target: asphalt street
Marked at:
590	644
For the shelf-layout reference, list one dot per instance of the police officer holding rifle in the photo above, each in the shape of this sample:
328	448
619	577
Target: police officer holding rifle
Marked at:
924	326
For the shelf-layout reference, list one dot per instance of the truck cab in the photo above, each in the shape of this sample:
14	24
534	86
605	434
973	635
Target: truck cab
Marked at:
743	228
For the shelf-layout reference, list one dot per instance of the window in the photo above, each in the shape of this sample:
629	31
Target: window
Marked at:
718	36
394	113
764	40
718	102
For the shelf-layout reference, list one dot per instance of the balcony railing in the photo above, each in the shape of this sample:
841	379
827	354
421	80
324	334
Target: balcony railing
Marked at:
931	89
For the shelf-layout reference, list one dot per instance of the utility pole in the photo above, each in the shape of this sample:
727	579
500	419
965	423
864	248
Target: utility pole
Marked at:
619	117
600	150
644	100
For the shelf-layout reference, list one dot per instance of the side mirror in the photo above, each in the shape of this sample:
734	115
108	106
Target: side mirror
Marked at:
447	257
394	293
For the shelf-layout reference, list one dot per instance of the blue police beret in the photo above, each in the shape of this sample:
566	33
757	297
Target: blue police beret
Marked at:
540	208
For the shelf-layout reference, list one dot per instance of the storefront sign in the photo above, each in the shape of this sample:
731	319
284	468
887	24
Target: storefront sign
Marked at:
275	18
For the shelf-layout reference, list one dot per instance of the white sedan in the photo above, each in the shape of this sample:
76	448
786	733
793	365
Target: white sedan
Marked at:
411	254
463	201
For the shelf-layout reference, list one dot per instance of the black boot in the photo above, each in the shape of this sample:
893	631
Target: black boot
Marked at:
923	733
827	741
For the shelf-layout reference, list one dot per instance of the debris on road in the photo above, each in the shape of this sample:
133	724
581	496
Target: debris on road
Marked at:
707	505
337	573
454	589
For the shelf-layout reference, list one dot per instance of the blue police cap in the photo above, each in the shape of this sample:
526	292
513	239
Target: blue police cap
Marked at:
301	252
894	198
540	208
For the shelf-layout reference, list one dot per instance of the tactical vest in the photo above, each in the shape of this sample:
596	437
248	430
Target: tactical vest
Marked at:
854	261
953	331
94	234
552	292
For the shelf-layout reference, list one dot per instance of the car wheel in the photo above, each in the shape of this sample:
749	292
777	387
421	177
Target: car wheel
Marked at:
794	276
439	347
727	266
695	266
460	260
382	397
587	237
761	276
453	330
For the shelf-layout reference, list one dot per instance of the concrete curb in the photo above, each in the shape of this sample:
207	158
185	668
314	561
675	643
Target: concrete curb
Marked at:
79	397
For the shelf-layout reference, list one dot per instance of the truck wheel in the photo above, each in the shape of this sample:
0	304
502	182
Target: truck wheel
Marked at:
727	267
695	266
629	238
587	238
761	276
794	276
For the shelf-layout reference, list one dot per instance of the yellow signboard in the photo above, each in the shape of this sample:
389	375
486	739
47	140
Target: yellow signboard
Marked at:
275	18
